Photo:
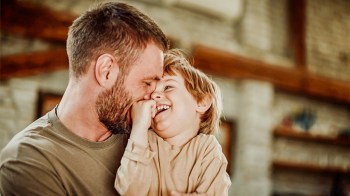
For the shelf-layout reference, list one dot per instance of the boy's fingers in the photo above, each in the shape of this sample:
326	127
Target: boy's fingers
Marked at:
174	193
154	110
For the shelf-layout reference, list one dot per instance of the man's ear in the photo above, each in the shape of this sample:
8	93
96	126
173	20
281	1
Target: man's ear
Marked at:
106	70
204	105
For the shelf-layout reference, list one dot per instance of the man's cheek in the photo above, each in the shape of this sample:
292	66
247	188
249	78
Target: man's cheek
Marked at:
128	118
128	112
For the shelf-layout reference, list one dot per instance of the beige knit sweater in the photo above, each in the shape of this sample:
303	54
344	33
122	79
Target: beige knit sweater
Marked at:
197	167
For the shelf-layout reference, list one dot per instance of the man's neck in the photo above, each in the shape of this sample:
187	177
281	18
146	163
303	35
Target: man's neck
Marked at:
77	112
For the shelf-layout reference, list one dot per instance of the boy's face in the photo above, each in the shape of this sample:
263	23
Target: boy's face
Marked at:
177	114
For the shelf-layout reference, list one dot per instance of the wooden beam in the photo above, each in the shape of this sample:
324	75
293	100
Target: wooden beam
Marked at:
297	31
31	20
225	64
308	167
21	65
290	133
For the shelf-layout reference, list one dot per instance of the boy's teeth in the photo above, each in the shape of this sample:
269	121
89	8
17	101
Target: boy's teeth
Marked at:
163	107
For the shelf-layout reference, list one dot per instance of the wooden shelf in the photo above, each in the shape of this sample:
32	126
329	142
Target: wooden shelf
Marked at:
295	80
290	133
283	131
283	164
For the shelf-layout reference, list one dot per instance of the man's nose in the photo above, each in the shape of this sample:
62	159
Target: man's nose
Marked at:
156	95
149	91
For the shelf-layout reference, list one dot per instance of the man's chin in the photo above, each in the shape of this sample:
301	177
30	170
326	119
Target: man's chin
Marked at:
120	129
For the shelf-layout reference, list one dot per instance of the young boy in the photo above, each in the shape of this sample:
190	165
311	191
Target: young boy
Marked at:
180	153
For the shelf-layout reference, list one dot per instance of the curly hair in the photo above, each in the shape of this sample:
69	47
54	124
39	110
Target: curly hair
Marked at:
199	86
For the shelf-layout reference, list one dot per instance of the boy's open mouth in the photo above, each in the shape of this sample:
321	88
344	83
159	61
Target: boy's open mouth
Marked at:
162	108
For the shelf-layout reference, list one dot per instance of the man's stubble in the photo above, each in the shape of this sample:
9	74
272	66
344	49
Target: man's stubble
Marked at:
113	107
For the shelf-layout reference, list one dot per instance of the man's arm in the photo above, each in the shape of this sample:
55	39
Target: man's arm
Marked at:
28	178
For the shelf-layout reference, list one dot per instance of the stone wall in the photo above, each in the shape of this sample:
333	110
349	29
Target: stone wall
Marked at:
19	100
328	48
259	31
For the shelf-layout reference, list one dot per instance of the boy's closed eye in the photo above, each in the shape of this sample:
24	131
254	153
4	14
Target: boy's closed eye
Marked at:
167	87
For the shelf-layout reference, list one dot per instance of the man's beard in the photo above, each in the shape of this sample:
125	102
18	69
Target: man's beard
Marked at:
112	107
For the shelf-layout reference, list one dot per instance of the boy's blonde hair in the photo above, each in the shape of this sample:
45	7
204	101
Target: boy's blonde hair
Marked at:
199	86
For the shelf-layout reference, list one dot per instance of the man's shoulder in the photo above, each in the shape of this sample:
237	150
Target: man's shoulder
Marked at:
28	139
33	130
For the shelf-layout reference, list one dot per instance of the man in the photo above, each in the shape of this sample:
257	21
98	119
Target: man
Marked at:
115	59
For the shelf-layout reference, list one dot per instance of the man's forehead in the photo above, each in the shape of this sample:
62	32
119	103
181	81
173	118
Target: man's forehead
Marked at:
155	72
147	71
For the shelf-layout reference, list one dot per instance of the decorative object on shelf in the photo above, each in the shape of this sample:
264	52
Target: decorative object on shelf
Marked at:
287	121
303	119
345	132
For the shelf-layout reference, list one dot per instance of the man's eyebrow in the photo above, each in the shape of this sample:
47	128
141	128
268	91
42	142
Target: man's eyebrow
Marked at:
152	78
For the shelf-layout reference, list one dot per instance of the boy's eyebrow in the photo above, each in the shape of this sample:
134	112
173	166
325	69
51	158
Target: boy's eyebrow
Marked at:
167	79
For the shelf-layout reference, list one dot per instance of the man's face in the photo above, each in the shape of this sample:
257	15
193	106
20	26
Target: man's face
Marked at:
113	105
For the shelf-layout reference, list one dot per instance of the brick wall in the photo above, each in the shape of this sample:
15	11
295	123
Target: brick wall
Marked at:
260	32
19	100
328	48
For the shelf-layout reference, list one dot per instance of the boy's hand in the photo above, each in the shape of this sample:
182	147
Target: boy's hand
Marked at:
142	113
174	193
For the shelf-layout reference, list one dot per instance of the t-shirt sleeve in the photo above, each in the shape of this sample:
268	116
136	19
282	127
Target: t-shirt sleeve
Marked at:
27	173
214	180
134	174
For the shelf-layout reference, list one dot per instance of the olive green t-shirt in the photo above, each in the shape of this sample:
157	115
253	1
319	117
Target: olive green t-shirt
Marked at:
48	159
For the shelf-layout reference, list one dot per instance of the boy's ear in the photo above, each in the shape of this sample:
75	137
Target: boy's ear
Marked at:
204	105
106	70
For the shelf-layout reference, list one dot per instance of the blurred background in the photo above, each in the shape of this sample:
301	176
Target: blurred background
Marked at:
283	67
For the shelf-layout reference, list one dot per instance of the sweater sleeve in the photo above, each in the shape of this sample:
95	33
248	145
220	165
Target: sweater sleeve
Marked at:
135	170
214	180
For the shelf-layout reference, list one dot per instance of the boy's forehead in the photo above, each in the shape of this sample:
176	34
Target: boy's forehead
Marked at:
172	73
167	77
